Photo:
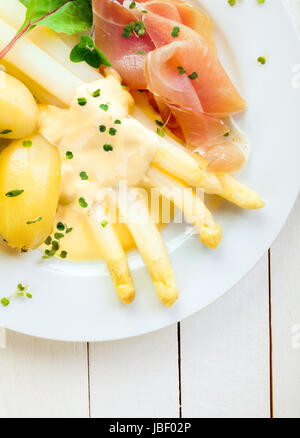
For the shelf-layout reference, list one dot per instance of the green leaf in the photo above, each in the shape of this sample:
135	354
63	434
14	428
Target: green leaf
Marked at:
87	51
68	16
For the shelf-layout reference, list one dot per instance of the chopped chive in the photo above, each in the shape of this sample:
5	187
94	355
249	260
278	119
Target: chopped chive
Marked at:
96	93
83	176
112	131
181	70
60	226
27	143
48	240
262	59
38	219
175	31
107	147
104	106
82	202
160	132
14	193
82	101
55	245
59	236
5	302
193	75
6	131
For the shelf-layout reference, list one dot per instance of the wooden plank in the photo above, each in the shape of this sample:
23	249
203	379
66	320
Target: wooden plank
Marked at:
225	353
41	378
285	281
136	377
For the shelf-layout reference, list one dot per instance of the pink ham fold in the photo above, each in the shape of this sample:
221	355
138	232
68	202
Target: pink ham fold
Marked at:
192	107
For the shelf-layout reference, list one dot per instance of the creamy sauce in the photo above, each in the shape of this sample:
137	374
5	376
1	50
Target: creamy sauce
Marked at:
77	130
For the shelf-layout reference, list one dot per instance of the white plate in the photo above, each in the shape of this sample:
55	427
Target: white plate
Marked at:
77	302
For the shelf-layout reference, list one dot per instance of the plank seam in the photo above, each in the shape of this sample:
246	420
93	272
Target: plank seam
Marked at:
89	376
270	336
179	369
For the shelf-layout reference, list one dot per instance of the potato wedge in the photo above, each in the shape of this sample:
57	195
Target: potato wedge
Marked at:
29	191
18	109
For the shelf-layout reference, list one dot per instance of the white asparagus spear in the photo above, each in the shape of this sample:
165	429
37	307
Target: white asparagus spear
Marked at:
134	211
186	200
13	13
179	163
42	68
113	253
232	190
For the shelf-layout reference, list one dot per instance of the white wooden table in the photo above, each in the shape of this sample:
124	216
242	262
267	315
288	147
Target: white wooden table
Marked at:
239	357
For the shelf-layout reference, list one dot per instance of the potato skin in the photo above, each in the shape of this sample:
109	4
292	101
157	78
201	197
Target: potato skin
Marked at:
37	171
18	108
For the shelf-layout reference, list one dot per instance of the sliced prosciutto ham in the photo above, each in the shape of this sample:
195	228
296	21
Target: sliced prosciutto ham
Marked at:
181	70
125	54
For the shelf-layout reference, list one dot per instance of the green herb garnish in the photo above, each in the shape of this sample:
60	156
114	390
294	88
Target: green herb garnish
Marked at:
107	147
63	254
117	122
262	59
14	193
112	131
27	143
48	241
104	106
68	16
181	70
102	128
60	226
193	75
104	223
58	236
69	155
96	93
34	221
134	27
82	101
87	51
83	176
22	291
175	31
82	202
6	131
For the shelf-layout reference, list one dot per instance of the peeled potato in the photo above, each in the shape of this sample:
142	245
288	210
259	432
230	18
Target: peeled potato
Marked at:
18	109
29	191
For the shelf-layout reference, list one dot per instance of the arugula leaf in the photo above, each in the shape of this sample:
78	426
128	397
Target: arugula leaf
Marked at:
87	51
68	16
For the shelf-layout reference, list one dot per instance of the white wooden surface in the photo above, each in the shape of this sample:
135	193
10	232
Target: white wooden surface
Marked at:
240	357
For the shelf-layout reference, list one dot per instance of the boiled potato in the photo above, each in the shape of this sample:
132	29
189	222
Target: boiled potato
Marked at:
29	191
18	109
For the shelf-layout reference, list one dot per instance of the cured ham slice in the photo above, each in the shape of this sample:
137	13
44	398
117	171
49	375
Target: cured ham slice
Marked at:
182	72
125	54
214	88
